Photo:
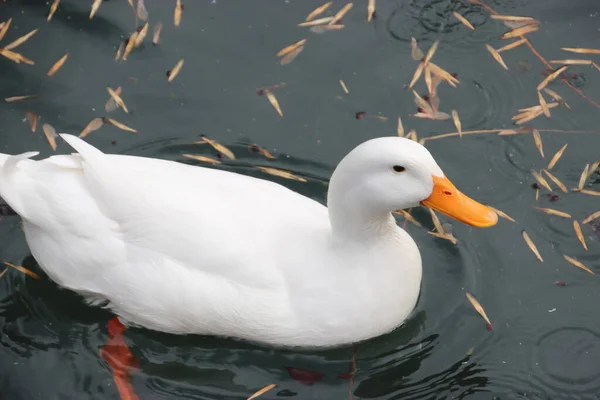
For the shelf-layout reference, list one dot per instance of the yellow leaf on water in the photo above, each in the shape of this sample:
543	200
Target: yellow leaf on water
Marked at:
326	28
431	52
583	177
315	22
340	14
32	118
20	98
20	40
219	147
370	10
202	158
457	123
92	126
262	391
177	13
520	31
400	129
557	157
50	134
4	28
273	100
291	47
552	211
23	270
512	45
291	56
53	9
119	125
282	174
344	86
543	104
496	56
58	65
502	214
118	100
95	7
551	77
139	39
572	62
591	217
538	141
436	222
579	233
416	75
578	264
556	181
156	34
415	52
591	192
446	236
477	306
532	246
318	11
175	71
513	18
408	217
541	180
463	20
130	45
581	50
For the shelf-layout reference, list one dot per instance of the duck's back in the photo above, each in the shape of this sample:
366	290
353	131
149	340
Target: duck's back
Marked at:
158	235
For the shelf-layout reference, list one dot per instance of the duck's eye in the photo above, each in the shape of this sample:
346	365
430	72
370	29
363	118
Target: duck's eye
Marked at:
398	168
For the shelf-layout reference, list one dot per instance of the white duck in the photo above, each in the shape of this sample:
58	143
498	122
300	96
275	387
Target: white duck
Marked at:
192	250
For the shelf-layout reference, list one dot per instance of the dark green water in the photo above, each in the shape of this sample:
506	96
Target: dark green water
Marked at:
546	338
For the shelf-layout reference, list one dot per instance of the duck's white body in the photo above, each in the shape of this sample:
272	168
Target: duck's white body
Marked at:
186	249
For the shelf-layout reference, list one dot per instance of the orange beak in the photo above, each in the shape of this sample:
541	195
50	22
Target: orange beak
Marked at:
447	199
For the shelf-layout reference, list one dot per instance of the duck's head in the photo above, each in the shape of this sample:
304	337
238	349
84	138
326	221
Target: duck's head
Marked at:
392	173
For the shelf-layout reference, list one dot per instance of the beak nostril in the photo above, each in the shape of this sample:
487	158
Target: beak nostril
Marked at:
447	192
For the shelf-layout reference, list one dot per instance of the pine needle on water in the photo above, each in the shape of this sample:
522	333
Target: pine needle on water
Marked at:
551	211
583	177
591	217
579	233
540	179
463	20
538	141
282	174
502	214
318	11
23	270
578	264
556	181
532	246
477	306
556	157
262	391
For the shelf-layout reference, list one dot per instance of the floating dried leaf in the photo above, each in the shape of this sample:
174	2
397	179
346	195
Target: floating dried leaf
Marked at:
281	173
591	217
446	236
572	62
579	233
344	86
479	309
202	158
119	51
58	65
429	82
513	18
156	35
53	9
520	31
50	134
139	39
512	45
556	97
142	13
496	56
4	272
23	270
130	45
370	10
543	104
32	118
400	129
118	100
20	98
119	125
506	132
532	246
95	7
219	147
551	211
578	264
457	123
541	180
463	20
583	177
502	214
326	28
538	141
445	75
408	217
16	57
20	40
581	50
340	14
551	77
273	100
436	222
412	134
92	126
175	71
416	75
262	151
4	28
556	181
266	388
318	11
415	52
431	52
591	192
111	104
177	13
291	56
291	47
315	22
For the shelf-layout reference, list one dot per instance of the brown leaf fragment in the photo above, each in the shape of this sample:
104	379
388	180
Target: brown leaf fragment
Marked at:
457	123
520	31
431	52
439	228
130	45
20	40
291	47
202	158
445	75
446	236
506	132
540	179
513	18
579	233
175	71
463	20
177	13
551	211
583	177
400	129
578	264
496	56
118	100
572	62
16	57
343	85
340	14
119	51
111	104
139	39
219	147
318	11
291	56
58	65
556	181
281	173
543	104
502	214
416	75
273	100
156	35
551	77
581	50
262	391
415	52
95	7
4	28
119	125
53	9
92	126
556	97
408	217
590	192
315	22
23	270
262	151
20	98
512	45
477	306
370	10
532	246
50	134
141	11
537	138
591	217
32	118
